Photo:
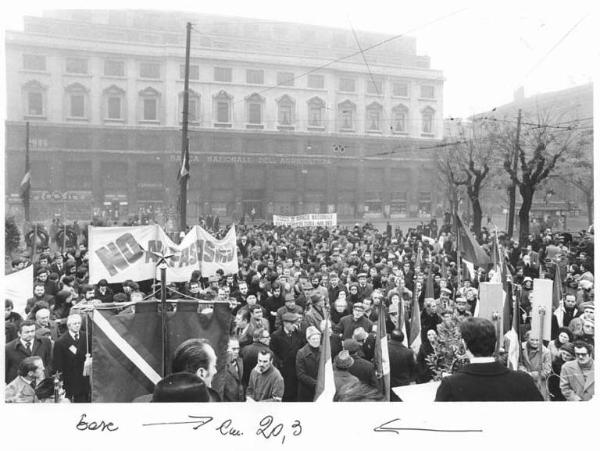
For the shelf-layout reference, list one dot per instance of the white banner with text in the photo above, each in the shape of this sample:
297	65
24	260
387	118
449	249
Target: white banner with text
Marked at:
118	254
308	220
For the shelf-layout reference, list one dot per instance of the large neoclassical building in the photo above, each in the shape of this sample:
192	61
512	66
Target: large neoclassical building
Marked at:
284	118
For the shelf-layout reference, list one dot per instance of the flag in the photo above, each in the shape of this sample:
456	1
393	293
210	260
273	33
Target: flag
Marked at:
419	259
127	350
382	356
184	171
470	250
429	285
513	339
557	292
325	388
415	326
25	186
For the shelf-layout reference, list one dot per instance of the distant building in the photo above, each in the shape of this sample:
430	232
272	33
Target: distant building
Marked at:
280	121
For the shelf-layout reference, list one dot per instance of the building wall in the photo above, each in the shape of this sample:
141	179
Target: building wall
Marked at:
270	166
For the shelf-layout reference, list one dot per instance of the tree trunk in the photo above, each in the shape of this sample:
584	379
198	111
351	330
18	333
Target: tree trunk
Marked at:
477	215
589	202
527	197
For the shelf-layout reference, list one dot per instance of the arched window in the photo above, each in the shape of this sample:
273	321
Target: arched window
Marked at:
113	104
285	111
316	109
193	107
427	120
34	100
374	117
254	110
76	99
222	109
400	119
346	116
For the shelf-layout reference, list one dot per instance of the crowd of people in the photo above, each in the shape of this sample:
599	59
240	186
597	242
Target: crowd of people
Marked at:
295	286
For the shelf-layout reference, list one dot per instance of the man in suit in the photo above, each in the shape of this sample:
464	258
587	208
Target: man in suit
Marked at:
285	344
577	376
69	357
403	368
485	379
26	345
228	381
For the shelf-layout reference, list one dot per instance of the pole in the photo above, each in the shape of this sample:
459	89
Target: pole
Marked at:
163	315
512	192
183	178
26	193
34	244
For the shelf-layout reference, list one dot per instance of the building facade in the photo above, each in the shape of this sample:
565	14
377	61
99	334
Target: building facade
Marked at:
284	118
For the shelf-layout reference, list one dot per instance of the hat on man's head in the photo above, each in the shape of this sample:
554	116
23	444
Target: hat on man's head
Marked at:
588	305
351	345
289	317
568	347
362	274
527	279
343	361
358	306
315	298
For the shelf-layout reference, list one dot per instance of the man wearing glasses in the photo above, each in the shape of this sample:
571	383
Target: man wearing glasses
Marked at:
577	376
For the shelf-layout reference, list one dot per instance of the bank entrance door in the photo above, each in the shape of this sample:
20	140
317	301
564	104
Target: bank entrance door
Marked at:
253	204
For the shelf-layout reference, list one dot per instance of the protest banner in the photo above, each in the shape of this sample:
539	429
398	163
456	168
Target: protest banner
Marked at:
308	220
121	253
18	287
491	304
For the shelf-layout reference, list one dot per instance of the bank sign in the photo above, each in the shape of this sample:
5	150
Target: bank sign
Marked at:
118	254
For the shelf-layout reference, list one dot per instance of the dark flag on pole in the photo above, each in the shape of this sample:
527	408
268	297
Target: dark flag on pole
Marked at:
184	170
25	186
557	293
127	350
472	254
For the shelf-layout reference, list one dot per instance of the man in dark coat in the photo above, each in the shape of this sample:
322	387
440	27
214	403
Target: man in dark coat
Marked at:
485	379
285	344
403	368
69	358
103	291
361	368
349	323
307	365
228	381
26	345
249	354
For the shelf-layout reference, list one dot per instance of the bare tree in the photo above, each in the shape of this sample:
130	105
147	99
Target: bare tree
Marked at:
467	162
542	149
579	170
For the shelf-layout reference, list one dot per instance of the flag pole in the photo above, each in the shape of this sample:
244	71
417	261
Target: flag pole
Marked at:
185	153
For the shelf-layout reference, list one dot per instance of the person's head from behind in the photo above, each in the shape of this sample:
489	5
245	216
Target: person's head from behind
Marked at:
479	335
181	387
264	361
8	307
196	356
31	368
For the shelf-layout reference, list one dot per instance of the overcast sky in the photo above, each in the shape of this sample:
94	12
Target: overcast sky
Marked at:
485	49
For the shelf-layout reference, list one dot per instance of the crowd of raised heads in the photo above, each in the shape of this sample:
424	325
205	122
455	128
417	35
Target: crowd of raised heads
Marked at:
293	284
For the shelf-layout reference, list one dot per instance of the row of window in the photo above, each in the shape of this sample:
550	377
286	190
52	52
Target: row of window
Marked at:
152	71
114	103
